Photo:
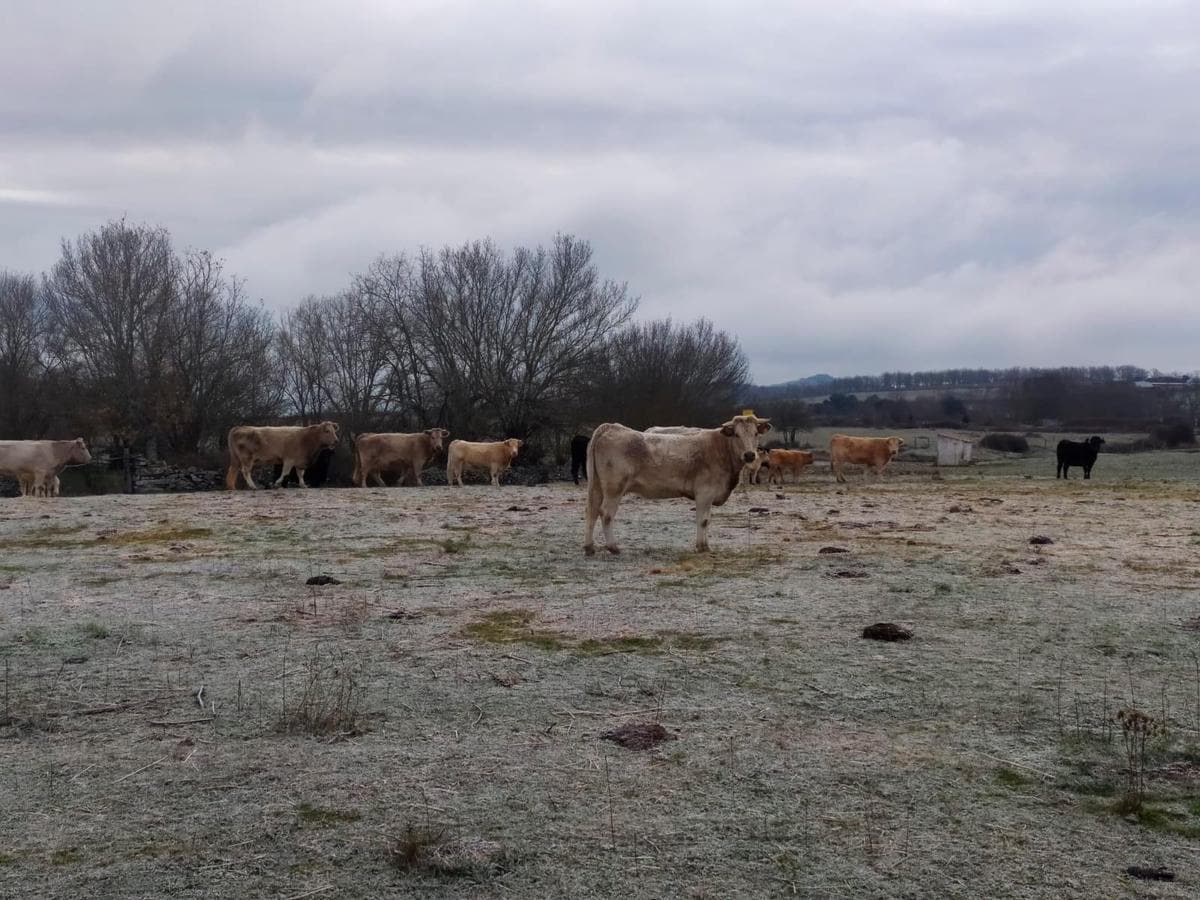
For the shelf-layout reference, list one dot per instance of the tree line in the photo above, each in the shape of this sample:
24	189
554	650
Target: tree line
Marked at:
129	341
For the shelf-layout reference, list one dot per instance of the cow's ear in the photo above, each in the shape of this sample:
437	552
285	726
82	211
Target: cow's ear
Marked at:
728	429
764	425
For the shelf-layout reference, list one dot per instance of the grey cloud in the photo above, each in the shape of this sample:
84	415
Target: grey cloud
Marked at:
849	189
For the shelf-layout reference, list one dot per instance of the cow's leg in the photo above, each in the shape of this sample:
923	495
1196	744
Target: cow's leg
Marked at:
837	472
287	467
703	513
1087	472
378	476
246	474
300	476
496	476
608	512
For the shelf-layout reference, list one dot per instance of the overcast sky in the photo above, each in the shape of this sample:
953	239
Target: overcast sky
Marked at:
848	187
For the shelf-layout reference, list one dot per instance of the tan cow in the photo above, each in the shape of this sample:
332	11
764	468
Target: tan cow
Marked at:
704	467
376	453
495	456
873	452
781	461
36	464
294	446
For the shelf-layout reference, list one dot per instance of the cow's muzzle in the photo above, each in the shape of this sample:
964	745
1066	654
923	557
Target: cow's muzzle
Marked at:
748	456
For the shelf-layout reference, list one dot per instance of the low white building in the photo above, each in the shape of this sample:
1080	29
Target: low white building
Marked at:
954	449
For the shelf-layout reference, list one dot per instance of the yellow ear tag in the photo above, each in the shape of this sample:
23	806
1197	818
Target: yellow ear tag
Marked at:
747	412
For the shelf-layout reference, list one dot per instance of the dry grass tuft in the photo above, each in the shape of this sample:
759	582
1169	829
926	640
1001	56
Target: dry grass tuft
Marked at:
429	849
329	703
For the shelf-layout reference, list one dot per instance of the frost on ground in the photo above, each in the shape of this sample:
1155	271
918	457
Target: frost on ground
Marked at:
184	715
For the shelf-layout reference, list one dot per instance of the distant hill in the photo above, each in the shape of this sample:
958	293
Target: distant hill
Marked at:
809	381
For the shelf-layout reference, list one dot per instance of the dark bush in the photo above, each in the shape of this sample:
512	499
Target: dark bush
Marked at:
1173	434
1005	443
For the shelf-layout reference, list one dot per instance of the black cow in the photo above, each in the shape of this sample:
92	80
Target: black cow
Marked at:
579	445
1078	453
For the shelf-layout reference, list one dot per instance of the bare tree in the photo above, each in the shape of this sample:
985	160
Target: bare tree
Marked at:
657	373
219	354
507	340
110	298
356	359
301	353
23	333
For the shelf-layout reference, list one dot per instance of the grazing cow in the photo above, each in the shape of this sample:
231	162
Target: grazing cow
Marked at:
294	446
751	469
36	464
873	452
1078	453
495	456
780	461
579	445
376	453
703	466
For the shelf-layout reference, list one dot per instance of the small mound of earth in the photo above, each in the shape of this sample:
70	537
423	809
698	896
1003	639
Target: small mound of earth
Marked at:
887	631
638	735
833	550
848	573
1151	873
1041	539
322	579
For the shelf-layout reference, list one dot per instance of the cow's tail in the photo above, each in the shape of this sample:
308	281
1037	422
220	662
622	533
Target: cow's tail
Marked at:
357	461
595	496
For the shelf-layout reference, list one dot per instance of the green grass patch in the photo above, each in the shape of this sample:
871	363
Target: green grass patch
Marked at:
34	636
48	536
93	630
1011	778
1166	820
324	818
66	857
516	626
692	640
625	644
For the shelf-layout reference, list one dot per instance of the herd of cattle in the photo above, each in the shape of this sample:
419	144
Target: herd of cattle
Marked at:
702	464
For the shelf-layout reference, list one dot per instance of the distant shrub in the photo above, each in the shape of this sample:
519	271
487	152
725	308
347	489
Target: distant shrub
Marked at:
1173	434
1005	443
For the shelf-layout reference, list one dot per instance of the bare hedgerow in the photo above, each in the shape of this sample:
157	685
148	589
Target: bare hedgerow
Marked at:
329	700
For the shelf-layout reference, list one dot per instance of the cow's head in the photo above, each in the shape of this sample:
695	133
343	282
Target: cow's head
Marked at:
436	436
328	433
514	444
79	452
743	432
894	445
1095	440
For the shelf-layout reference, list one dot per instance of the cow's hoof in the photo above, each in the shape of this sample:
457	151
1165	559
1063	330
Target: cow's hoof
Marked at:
589	550
614	550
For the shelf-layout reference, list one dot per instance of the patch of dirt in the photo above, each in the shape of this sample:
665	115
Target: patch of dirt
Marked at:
887	631
638	735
